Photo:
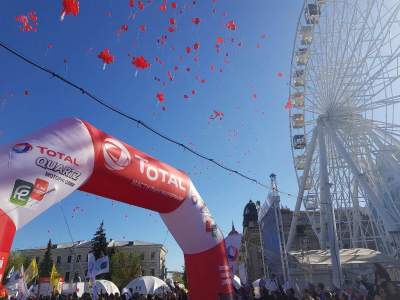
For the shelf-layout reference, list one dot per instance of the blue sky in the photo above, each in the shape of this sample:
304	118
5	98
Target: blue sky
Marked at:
252	137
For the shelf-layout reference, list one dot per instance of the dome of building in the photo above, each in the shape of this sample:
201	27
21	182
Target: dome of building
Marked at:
250	214
233	231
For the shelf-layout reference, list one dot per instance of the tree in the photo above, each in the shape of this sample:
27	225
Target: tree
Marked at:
47	262
124	267
100	248
99	242
184	276
177	277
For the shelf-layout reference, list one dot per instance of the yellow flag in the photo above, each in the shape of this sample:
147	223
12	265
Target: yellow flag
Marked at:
32	271
54	278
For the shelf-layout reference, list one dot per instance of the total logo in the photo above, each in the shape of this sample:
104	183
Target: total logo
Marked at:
116	156
22	148
26	147
24	190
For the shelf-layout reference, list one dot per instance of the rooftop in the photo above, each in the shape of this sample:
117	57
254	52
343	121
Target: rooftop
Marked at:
86	243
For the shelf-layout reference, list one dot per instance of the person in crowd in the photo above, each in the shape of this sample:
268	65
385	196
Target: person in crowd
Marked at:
291	294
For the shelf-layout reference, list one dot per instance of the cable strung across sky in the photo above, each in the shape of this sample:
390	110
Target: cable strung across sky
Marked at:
98	100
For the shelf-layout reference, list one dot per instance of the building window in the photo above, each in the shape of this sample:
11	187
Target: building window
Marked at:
78	258
66	277
153	255
152	272
58	260
69	259
141	256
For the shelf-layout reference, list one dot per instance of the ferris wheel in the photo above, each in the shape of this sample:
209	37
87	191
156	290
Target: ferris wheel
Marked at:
345	124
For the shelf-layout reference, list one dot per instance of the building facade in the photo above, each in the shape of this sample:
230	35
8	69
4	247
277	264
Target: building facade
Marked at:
251	245
71	259
251	250
305	238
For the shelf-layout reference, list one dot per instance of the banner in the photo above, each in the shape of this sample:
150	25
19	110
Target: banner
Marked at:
42	169
32	272
91	273
23	292
102	265
54	278
12	280
97	266
270	239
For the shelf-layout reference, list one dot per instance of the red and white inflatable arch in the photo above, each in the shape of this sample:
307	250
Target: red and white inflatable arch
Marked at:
44	168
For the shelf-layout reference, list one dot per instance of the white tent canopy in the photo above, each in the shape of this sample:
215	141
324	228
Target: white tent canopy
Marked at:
148	285
347	256
257	283
106	287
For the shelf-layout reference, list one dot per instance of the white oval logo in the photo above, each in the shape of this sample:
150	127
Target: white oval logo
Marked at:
116	156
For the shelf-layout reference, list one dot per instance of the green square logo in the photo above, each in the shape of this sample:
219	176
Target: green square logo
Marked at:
21	192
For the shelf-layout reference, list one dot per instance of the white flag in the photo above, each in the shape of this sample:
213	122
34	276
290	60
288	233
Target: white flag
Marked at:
91	273
10	273
102	265
23	292
97	266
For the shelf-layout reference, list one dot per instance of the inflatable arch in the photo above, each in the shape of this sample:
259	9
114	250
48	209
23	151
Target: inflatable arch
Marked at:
42	169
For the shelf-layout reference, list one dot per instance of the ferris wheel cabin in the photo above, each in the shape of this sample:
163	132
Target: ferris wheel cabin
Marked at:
310	202
298	120
299	141
300	162
299	78
306	34
302	56
312	13
297	100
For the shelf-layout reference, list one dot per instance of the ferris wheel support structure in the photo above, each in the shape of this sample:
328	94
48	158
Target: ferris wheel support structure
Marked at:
327	214
390	224
345	125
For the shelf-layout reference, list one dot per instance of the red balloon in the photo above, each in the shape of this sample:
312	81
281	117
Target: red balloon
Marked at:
140	5
196	21
289	104
231	25
106	56
70	7
160	97
140	62
216	114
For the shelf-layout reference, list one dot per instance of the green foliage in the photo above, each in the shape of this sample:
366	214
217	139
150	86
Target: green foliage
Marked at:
99	242
184	276
124	267
46	263
177	277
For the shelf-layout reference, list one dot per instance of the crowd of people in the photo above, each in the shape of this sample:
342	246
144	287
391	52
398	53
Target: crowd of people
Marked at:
360	290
